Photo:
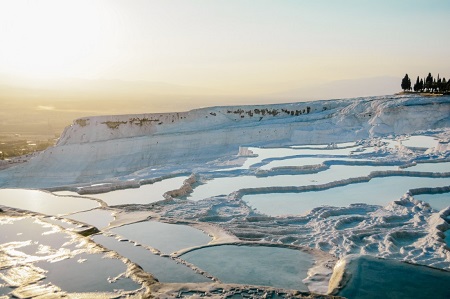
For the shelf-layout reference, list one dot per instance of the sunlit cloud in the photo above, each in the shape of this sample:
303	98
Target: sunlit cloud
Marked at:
45	108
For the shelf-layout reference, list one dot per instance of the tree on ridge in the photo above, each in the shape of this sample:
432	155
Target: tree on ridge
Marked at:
406	83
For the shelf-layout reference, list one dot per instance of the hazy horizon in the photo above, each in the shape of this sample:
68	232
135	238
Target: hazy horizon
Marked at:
65	59
223	48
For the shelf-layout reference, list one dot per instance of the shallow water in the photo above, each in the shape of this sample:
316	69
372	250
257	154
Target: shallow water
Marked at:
227	185
437	201
302	162
372	278
87	273
311	146
46	247
143	195
378	191
163	268
430	167
4	290
163	236
266	153
44	202
420	141
62	222
273	266
32	231
98	217
255	265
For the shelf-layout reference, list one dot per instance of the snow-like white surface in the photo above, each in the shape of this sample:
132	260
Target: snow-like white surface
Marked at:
220	156
102	147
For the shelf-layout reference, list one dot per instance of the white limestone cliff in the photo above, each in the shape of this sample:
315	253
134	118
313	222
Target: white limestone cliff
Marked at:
103	147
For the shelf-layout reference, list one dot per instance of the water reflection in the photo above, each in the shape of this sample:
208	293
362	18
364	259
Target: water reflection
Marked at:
163	236
255	265
44	202
378	191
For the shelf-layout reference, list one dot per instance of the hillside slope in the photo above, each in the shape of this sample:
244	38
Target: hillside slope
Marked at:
104	147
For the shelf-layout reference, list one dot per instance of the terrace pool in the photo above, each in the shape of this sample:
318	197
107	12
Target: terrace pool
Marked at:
255	265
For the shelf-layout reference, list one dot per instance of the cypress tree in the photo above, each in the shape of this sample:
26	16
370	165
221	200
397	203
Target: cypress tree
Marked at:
429	82
406	83
417	85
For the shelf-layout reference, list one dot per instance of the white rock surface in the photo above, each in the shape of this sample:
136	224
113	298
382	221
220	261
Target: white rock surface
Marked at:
104	147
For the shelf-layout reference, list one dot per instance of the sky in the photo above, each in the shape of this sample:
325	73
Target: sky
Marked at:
222	47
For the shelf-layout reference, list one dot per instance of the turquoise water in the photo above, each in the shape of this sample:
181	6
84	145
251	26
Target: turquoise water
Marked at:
44	202
372	279
378	191
433	167
163	268
302	162
266	153
163	236
255	265
437	201
226	185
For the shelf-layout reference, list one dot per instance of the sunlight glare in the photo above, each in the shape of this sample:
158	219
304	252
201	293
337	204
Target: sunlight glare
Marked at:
51	38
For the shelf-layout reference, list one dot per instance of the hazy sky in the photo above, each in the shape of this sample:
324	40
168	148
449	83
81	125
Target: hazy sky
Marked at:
243	46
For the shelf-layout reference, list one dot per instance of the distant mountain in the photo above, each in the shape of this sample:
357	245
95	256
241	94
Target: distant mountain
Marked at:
95	88
352	88
79	89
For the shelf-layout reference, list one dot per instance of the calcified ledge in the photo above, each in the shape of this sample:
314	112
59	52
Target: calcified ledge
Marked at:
186	188
99	148
307	169
375	174
429	190
323	261
316	168
108	186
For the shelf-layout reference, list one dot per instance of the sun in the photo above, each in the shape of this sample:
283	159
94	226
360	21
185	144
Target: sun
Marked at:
51	38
